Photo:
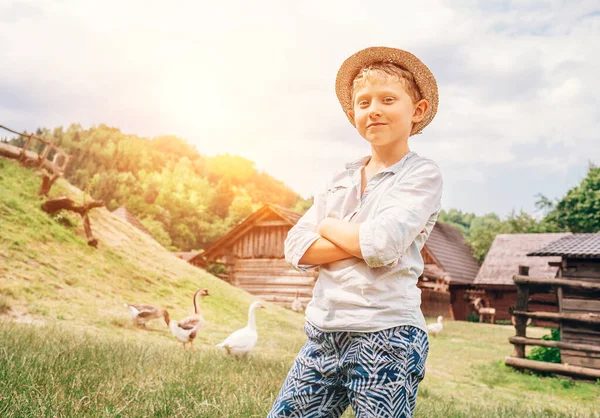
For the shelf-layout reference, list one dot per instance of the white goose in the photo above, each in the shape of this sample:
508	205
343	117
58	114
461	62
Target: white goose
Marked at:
242	341
187	329
297	304
435	328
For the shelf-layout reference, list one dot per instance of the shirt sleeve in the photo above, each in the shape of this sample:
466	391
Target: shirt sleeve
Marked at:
303	235
401	216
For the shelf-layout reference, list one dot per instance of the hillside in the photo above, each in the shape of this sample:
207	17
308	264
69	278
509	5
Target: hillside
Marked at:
48	273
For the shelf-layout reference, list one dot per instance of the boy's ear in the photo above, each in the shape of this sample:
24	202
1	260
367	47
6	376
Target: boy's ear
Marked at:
350	114
421	109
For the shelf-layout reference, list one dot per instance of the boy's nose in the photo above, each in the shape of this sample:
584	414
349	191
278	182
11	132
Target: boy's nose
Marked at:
375	113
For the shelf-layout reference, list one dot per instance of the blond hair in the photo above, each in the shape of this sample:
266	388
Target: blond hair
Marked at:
384	71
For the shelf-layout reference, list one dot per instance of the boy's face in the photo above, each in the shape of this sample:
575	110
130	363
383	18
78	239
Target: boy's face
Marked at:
384	113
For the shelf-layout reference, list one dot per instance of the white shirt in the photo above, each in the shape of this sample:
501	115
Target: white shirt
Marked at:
397	212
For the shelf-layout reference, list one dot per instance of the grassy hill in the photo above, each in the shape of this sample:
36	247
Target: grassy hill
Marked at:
49	273
67	346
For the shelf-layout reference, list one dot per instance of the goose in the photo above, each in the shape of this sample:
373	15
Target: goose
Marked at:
297	304
242	341
140	314
435	328
186	329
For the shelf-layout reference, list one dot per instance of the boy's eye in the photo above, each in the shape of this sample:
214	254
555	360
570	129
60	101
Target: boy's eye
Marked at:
363	103
388	100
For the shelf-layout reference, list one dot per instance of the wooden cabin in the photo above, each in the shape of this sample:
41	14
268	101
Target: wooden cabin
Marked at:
253	256
449	264
507	253
578	304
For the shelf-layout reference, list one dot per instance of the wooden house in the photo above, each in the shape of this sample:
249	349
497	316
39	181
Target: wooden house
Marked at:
507	253
449	264
253	256
579	298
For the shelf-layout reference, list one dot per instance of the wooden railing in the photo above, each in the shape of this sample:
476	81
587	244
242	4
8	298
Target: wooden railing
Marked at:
526	286
55	168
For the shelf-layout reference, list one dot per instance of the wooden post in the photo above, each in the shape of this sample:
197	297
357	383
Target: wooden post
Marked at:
44	154
521	321
24	150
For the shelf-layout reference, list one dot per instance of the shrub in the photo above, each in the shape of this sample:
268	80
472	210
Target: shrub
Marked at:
547	354
473	317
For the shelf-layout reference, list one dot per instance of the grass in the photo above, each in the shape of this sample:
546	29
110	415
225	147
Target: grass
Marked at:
68	348
64	370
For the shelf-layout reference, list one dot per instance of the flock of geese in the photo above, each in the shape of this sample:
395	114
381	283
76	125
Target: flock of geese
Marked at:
240	342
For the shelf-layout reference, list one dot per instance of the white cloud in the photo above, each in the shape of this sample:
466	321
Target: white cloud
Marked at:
257	79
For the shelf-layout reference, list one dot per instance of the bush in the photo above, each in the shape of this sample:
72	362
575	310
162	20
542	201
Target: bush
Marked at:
473	317
547	354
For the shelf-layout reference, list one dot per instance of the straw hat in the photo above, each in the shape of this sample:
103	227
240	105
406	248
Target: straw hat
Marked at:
423	77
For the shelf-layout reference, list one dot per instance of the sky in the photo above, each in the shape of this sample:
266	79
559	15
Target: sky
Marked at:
519	83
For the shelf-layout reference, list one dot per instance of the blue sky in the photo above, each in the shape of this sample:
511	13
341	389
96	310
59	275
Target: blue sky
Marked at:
518	81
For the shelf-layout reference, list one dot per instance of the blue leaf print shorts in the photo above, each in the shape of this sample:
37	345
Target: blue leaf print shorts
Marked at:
377	373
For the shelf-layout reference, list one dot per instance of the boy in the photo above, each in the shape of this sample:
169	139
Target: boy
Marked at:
367	338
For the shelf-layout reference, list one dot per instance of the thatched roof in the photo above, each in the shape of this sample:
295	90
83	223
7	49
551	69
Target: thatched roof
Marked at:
128	217
575	246
509	251
447	245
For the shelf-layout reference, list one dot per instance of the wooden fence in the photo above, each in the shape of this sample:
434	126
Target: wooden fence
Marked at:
55	167
588	323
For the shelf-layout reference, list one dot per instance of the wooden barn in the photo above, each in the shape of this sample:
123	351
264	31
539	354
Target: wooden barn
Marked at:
253	257
449	264
578	304
507	253
252	254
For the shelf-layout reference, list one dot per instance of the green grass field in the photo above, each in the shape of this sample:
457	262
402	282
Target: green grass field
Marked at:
68	349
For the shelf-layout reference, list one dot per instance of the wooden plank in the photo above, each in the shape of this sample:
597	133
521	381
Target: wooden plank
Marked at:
588	270
574	358
562	369
279	296
556	316
276	288
272	223
284	281
581	305
556	344
567	283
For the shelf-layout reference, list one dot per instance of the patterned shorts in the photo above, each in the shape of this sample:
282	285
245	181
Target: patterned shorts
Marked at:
377	373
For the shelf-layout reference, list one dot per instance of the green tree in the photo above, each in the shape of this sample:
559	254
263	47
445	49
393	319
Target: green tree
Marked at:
579	210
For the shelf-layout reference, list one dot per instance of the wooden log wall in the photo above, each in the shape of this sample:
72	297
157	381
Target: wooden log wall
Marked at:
435	303
262	242
578	291
573	301
273	280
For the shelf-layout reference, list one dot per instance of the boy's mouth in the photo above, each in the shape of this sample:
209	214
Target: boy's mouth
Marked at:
371	125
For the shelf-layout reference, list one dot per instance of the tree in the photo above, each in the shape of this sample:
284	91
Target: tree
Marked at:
240	209
579	210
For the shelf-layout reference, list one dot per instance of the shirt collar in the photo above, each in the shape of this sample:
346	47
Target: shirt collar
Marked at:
394	168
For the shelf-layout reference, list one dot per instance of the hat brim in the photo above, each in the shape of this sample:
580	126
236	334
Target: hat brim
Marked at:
422	75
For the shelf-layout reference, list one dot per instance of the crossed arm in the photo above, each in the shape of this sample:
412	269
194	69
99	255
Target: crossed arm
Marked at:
339	240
